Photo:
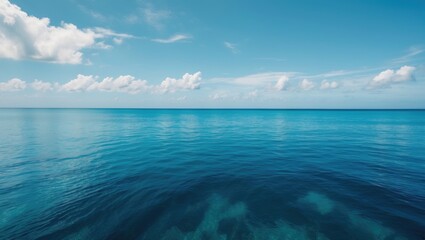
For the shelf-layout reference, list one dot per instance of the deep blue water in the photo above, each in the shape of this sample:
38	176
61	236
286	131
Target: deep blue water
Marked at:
211	174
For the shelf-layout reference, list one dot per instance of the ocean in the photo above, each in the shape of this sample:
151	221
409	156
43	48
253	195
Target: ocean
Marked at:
212	174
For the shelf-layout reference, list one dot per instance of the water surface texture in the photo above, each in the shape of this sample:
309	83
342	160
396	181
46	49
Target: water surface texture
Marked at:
211	174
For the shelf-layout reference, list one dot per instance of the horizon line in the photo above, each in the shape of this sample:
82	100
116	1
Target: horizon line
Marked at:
165	108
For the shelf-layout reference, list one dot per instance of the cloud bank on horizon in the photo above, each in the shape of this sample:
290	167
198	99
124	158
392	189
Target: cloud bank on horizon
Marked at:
73	52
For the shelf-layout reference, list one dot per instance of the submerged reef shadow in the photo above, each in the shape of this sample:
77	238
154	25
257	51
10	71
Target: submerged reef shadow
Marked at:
219	218
357	224
223	219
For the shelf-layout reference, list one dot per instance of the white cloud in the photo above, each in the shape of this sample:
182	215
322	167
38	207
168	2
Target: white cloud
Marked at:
172	39
340	74
147	13
389	77
14	84
412	52
335	73
306	85
261	78
127	83
42	86
117	40
27	37
281	83
102	45
79	84
231	46
328	85
104	32
187	82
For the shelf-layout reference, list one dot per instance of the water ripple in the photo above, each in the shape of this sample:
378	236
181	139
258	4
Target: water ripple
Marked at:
211	174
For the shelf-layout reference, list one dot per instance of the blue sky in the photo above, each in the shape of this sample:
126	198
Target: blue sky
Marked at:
212	54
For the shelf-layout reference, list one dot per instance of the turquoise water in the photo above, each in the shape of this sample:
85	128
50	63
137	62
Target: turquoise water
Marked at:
211	174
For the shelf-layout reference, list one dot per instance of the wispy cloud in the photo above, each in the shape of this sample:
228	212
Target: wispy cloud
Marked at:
155	17
231	46
412	52
261	78
172	39
148	14
340	73
110	33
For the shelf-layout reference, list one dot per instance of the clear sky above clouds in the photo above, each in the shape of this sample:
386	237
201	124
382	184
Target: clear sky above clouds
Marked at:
212	54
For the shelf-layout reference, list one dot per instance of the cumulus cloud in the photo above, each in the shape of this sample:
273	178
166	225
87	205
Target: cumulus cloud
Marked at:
130	84
328	84
306	85
41	86
79	84
127	83
172	39
281	83
14	84
390	76
187	82
27	37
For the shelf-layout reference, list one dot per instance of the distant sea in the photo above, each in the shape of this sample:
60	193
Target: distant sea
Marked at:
212	174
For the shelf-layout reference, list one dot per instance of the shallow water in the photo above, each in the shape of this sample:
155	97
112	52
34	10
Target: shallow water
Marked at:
211	174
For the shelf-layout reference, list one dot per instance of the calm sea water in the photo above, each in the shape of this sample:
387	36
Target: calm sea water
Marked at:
211	174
